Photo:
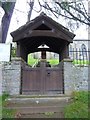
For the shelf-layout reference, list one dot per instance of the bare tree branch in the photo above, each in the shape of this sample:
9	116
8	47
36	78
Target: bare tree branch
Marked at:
74	17
39	6
20	11
31	5
80	12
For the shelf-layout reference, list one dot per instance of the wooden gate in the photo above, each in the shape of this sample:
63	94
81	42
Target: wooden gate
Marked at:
42	80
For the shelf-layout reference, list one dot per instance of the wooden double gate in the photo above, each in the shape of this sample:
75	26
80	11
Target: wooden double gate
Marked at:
42	80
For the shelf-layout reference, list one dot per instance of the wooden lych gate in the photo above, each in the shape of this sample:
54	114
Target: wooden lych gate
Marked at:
42	31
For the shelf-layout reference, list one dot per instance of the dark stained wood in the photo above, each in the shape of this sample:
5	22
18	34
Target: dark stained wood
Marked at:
34	33
42	80
31	81
43	54
43	20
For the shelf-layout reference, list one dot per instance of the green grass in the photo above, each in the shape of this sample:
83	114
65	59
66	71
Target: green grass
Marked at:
79	107
0	107
53	61
81	96
31	60
6	113
49	113
81	62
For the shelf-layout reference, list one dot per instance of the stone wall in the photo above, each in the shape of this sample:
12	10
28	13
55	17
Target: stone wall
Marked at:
75	77
11	80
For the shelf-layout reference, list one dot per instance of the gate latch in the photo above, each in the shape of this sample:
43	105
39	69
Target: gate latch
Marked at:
48	73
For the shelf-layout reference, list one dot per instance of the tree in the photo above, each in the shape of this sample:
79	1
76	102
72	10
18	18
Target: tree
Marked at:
31	5
8	8
74	11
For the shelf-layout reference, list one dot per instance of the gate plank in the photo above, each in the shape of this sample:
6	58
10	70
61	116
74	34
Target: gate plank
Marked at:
42	80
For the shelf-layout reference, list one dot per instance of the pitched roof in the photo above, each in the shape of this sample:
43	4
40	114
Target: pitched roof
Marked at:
29	29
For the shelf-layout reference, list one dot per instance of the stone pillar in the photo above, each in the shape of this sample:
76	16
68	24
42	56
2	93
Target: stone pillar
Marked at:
12	76
68	80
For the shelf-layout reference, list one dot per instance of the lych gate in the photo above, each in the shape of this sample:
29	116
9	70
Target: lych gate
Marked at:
42	31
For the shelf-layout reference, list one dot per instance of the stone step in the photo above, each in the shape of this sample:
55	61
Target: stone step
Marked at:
31	102
39	96
42	99
44	115
39	109
29	106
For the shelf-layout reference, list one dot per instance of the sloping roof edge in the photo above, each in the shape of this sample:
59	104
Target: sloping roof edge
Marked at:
45	17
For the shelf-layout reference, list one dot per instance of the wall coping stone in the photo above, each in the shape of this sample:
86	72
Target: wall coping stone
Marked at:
17	59
67	60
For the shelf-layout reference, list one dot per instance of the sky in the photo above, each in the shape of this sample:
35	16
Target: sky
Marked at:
19	18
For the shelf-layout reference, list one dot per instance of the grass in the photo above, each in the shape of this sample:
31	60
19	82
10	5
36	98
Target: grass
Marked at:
53	61
0	107
49	113
32	61
6	113
79	107
81	62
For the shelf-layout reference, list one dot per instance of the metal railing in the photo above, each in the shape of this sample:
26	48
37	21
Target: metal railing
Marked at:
79	51
79	57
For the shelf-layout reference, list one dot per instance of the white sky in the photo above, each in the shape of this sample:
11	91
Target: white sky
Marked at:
20	18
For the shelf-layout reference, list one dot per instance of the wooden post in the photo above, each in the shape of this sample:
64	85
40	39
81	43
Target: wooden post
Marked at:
18	51
43	54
